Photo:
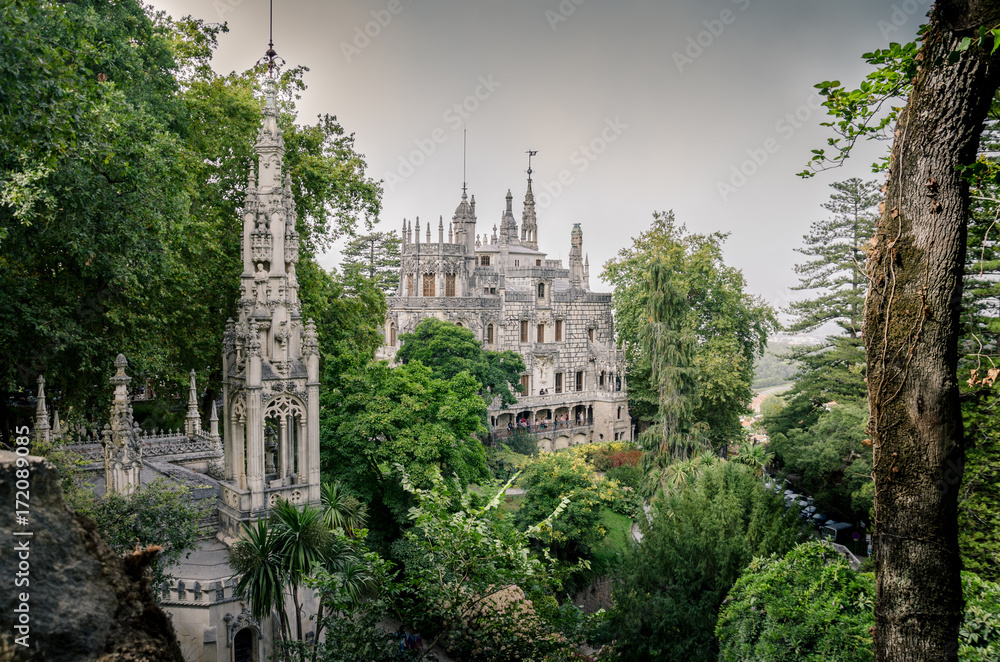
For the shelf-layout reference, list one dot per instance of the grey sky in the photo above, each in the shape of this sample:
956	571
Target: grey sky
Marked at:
672	95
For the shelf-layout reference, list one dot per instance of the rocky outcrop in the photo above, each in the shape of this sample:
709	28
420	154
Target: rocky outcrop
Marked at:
66	594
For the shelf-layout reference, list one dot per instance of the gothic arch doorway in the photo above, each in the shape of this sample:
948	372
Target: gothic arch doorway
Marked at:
245	646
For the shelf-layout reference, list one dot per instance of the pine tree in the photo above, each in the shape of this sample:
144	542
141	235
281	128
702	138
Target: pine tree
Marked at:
836	268
375	256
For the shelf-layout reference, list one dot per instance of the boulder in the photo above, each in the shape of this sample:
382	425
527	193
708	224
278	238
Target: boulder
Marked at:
79	601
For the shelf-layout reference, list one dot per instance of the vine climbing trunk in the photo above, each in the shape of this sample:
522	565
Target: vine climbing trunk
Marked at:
911	328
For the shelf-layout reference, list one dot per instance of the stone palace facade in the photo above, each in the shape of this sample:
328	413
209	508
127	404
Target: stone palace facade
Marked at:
506	291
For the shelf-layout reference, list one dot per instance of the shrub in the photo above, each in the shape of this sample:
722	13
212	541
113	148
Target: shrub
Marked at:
626	474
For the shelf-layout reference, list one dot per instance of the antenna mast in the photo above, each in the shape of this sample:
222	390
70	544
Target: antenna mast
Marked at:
465	141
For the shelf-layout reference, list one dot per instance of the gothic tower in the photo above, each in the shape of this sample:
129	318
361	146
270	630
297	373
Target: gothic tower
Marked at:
270	358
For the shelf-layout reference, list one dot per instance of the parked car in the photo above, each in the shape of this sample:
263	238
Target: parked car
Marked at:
838	532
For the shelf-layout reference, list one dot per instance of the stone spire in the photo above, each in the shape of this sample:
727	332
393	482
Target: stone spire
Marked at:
192	423
529	224
270	377
576	276
440	229
586	272
42	430
508	226
403	236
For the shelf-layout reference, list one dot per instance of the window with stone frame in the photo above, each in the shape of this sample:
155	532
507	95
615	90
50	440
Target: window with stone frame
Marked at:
559	382
484	261
392	335
590	334
525	384
541	333
538	263
579	380
559	330
524	330
409	285
428	282
449	285
541	290
489	334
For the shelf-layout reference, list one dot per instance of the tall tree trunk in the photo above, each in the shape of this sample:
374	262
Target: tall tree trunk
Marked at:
911	330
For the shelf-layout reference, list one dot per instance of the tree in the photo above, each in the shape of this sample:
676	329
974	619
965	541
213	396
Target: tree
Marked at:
700	538
374	255
912	316
448	349
670	349
836	270
730	327
375	416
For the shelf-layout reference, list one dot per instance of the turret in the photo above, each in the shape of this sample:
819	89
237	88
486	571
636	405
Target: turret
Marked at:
508	226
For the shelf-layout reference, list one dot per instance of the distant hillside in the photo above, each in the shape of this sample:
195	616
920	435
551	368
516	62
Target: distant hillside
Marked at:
770	369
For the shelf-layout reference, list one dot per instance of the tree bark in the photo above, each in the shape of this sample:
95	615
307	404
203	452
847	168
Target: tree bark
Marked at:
912	329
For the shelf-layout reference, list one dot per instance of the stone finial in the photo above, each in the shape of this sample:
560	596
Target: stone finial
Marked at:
213	422
192	423
41	413
56	427
417	235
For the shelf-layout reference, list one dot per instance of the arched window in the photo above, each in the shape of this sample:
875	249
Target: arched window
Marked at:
392	334
541	290
489	334
409	285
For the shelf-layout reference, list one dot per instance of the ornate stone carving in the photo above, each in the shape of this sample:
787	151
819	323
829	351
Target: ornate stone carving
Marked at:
236	623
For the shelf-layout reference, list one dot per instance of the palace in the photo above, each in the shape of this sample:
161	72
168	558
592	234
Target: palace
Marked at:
506	291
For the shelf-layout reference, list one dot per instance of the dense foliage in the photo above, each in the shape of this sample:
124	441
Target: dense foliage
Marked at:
810	605
699	539
448	349
470	581
160	513
376	416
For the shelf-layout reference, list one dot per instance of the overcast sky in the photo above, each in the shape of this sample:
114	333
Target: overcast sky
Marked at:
636	105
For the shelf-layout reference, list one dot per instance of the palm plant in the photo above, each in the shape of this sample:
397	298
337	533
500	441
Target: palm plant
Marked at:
258	562
341	510
302	542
